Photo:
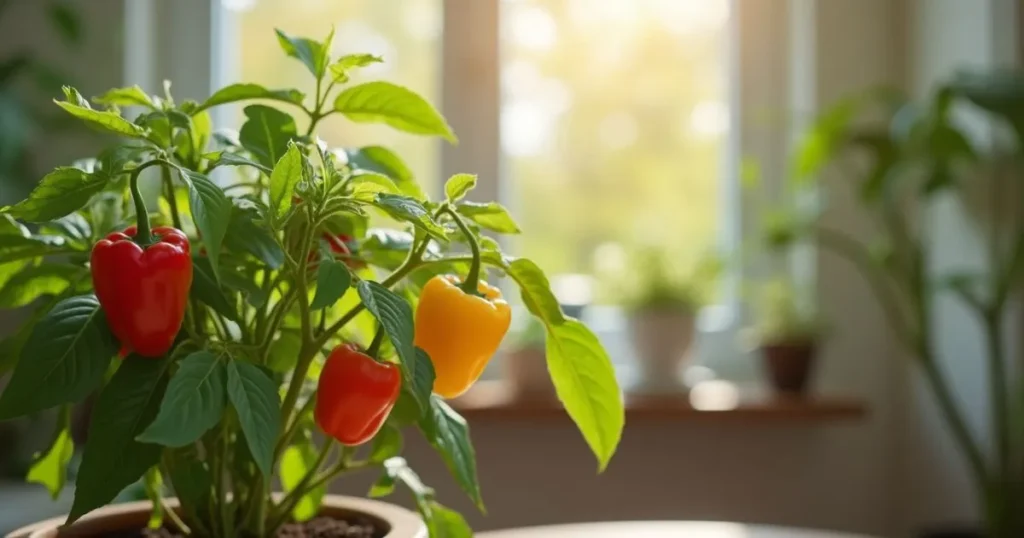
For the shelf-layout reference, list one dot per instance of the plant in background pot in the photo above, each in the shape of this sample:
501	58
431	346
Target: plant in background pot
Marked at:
227	324
662	306
787	335
920	156
524	362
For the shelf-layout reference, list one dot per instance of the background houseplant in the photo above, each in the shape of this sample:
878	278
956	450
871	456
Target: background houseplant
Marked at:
899	157
284	271
24	76
786	333
663	302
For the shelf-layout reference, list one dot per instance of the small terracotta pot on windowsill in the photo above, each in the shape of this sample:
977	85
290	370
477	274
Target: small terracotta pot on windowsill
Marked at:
526	373
789	365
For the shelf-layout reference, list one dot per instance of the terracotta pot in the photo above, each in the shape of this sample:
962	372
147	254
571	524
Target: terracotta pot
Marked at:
526	372
789	365
403	523
661	340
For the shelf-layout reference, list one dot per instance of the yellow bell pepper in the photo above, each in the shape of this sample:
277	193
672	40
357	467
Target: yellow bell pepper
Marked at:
460	331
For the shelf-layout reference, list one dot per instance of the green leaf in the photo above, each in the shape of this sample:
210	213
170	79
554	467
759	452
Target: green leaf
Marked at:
193	403
130	96
296	461
386	444
443	521
394	105
67	21
245	235
211	211
395	316
11	346
536	291
422	379
206	290
70	350
313	54
226	158
74	226
490	215
254	295
191	479
266	133
104	121
9	226
63	191
384	161
585	383
409	209
246	91
364	182
17	247
448	433
113	459
332	281
287	173
458	185
36	281
341	68
284	352
254	396
50	469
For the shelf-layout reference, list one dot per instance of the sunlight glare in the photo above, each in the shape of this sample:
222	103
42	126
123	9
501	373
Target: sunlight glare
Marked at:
533	28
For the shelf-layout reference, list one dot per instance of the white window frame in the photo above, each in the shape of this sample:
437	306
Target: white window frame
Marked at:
759	71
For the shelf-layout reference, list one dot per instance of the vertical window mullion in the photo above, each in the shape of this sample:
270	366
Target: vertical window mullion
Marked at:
470	96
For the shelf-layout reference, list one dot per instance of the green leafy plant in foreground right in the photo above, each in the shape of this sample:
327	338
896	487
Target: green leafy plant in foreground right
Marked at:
226	325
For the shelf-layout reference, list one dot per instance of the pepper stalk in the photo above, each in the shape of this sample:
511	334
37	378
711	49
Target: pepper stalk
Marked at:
471	285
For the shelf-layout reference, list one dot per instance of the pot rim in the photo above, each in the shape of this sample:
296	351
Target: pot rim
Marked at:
404	523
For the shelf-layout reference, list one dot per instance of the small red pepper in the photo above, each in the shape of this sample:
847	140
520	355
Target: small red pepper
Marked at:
143	290
355	394
340	249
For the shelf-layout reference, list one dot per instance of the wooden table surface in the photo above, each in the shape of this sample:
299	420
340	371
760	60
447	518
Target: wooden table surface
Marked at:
663	529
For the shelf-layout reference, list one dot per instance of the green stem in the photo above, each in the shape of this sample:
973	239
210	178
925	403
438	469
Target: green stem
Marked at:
280	513
412	261
378	339
293	428
143	234
472	283
848	248
1000	396
165	174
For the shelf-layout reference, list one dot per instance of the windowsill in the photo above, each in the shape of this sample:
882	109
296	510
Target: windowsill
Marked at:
716	401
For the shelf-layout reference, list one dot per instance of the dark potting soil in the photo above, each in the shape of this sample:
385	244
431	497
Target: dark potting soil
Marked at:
321	527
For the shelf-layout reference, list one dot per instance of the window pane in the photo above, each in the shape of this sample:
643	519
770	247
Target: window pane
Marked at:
614	118
406	33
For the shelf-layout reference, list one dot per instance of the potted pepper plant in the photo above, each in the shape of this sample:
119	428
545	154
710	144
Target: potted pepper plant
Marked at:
224	327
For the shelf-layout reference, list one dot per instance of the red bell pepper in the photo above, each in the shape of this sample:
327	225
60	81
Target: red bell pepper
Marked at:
340	249
355	394
143	289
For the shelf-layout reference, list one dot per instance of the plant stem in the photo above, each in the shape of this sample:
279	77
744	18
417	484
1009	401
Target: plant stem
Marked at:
472	283
173	516
848	248
378	339
412	261
287	504
143	235
1000	399
165	174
